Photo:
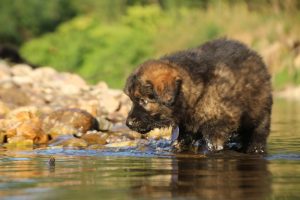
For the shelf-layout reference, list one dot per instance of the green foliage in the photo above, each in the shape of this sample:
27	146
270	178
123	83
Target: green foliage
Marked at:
285	77
98	51
23	19
108	38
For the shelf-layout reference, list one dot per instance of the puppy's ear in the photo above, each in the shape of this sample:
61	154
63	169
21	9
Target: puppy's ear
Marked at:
164	78
167	89
130	84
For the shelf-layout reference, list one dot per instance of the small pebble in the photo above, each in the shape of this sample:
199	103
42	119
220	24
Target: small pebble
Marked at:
51	161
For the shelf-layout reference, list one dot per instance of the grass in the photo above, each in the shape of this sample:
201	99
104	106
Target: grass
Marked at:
109	52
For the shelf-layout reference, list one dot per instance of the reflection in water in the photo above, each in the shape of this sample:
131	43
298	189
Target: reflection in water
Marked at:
83	174
216	177
211	178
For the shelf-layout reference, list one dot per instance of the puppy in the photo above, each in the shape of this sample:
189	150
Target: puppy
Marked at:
218	93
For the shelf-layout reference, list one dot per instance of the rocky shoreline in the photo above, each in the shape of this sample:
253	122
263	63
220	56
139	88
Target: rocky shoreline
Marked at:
43	108
290	93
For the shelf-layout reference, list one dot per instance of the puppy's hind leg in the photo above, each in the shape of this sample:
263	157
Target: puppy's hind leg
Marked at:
256	141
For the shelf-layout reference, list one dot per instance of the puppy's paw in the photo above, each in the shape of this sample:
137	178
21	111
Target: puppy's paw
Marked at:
256	149
215	144
214	147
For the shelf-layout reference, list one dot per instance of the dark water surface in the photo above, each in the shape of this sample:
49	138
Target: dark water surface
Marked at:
88	174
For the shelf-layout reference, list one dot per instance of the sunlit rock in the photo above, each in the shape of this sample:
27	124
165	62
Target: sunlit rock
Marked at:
94	138
68	121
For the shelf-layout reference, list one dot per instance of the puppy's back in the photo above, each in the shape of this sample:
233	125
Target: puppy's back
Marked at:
205	57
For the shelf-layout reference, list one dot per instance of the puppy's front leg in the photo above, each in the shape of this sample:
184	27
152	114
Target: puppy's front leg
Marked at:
217	132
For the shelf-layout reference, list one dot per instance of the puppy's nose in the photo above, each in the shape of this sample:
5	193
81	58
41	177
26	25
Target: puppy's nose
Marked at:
130	122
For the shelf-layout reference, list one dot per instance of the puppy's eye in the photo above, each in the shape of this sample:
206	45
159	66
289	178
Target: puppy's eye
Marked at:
151	97
143	102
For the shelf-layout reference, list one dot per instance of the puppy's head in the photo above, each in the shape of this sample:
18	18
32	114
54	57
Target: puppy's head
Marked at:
153	89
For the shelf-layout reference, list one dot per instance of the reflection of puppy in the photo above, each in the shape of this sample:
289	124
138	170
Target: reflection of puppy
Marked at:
218	92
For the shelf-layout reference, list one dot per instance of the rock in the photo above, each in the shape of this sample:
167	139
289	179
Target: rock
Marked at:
102	86
4	109
115	137
104	124
68	121
297	61
37	105
66	83
90	106
108	103
51	161
116	117
43	74
29	129
25	124
271	55
96	147
75	142
125	131
59	140
21	70
13	95
4	72
41	139
19	142
131	143
289	93
68	141
94	138
24	113
3	137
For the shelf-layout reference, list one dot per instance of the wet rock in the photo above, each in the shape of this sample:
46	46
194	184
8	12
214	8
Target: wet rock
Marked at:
116	137
41	139
19	142
69	121
96	147
131	143
59	140
68	141
94	138
75	142
125	131
29	129
51	161
37	105
25	124
24	113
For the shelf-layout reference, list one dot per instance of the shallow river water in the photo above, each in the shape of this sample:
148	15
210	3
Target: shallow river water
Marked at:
92	174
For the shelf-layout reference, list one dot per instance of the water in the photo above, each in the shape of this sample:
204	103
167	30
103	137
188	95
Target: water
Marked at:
88	174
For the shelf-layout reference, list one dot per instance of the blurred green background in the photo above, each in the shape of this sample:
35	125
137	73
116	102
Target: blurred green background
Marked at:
107	39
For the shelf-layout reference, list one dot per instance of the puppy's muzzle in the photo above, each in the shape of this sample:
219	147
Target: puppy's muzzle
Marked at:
131	122
135	124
